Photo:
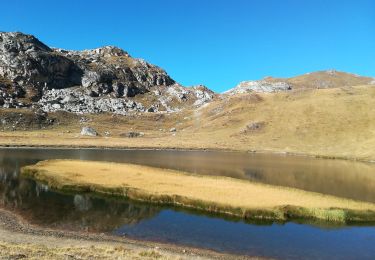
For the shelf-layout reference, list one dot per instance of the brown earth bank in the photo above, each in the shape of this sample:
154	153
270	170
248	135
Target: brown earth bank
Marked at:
21	240
328	123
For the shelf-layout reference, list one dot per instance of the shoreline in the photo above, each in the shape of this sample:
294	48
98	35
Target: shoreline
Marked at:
15	230
180	149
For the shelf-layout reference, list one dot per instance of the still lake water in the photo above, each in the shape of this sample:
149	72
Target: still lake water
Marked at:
290	240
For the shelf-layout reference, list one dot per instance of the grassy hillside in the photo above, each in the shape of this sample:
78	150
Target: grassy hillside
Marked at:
333	122
337	122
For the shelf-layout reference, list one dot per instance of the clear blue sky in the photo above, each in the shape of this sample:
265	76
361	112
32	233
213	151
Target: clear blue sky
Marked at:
213	42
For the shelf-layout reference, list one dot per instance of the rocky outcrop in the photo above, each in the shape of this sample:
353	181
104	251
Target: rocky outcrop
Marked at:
110	69
77	101
30	63
262	86
163	99
105	79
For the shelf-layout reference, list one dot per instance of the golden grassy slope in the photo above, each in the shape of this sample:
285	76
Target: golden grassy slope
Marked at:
335	122
331	122
216	194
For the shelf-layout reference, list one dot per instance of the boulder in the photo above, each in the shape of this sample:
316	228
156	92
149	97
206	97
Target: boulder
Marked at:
88	131
255	126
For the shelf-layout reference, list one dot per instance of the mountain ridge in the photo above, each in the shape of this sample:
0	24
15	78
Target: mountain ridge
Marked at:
109	79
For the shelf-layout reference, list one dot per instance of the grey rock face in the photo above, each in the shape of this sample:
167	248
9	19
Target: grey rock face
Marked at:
105	79
78	101
88	131
27	61
109	67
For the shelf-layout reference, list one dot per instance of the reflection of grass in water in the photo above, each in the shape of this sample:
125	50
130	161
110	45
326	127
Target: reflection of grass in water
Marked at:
99	200
211	194
65	211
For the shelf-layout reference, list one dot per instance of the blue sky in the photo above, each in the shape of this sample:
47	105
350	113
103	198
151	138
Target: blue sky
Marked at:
217	43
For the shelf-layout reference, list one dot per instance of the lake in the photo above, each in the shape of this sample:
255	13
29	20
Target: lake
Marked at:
291	240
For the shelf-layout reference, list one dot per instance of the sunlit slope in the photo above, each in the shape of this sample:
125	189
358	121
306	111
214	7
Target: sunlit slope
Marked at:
333	122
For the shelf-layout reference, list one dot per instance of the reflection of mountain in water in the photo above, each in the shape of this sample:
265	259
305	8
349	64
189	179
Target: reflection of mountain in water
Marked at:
76	212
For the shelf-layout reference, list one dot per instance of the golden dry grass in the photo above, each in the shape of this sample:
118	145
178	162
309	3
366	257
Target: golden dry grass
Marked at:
326	122
219	194
33	251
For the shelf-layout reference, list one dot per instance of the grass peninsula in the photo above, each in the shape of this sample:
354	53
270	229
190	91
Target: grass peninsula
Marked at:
216	194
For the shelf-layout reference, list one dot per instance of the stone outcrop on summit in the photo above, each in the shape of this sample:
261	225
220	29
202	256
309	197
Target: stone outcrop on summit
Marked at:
258	86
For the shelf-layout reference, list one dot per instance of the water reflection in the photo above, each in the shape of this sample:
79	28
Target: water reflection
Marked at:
280	241
349	179
74	212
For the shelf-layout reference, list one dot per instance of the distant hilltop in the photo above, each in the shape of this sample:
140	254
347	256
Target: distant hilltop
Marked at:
314	80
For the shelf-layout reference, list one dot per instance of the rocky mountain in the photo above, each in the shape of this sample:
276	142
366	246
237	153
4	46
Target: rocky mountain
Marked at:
105	79
314	80
108	79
